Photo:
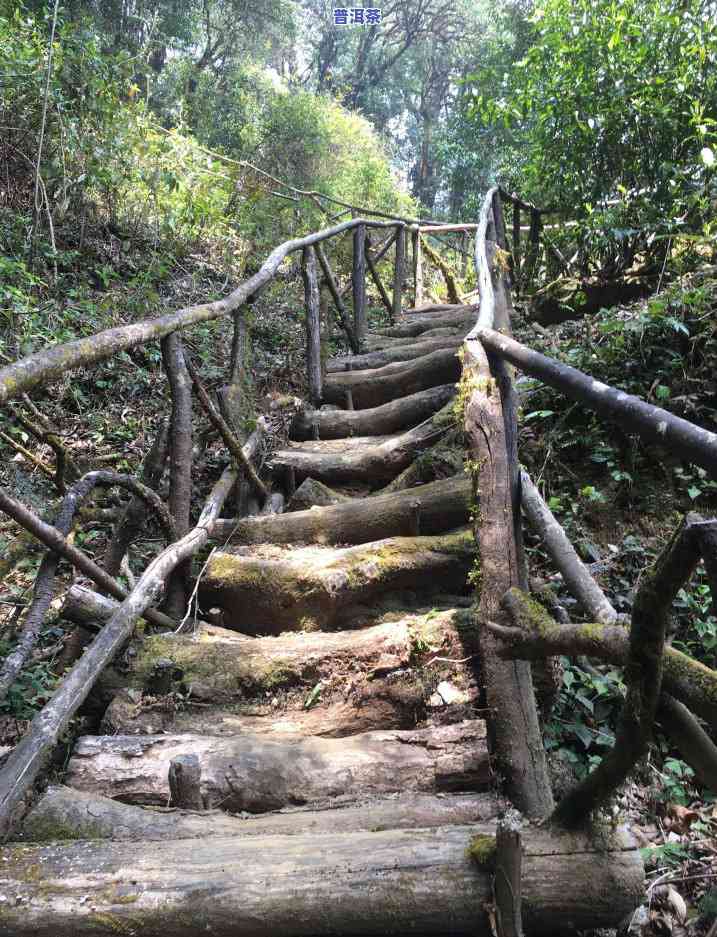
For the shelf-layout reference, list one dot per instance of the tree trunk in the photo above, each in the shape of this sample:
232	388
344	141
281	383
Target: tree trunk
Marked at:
267	590
423	881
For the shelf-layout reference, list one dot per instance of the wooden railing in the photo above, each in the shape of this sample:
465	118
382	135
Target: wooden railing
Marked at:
513	631
183	540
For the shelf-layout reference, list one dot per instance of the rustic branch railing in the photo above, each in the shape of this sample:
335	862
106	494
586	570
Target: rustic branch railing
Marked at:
489	350
168	573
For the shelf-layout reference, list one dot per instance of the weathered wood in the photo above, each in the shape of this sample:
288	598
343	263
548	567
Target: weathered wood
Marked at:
377	386
338	301
508	884
491	431
260	773
54	362
457	317
266	590
313	324
78	815
575	574
376	278
391	417
631	413
399	272
402	352
516	251
185	778
417	268
422	881
180	462
376	460
359	283
444	506
222	666
690	739
27	759
51	537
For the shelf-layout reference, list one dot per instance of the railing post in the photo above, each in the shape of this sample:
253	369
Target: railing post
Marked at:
398	271
313	325
359	283
516	247
417	268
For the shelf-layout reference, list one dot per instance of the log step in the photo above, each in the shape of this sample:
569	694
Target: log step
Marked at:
431	509
363	884
388	418
376	386
401	352
461	316
65	813
258	773
267	589
375	461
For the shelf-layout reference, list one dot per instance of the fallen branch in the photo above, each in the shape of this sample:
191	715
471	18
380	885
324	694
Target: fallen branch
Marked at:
575	574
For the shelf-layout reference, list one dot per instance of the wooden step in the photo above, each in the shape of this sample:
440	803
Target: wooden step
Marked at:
269	589
261	773
362	884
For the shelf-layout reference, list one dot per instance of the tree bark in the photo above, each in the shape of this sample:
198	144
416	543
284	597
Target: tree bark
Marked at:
534	634
402	352
338	302
381	385
443	505
461	317
575	574
656	591
266	590
399	272
325	883
261	773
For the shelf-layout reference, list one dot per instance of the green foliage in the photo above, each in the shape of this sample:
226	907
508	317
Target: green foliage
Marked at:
582	724
612	115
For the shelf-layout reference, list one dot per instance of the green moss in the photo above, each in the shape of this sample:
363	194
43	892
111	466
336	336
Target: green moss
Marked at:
49	830
482	849
593	630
